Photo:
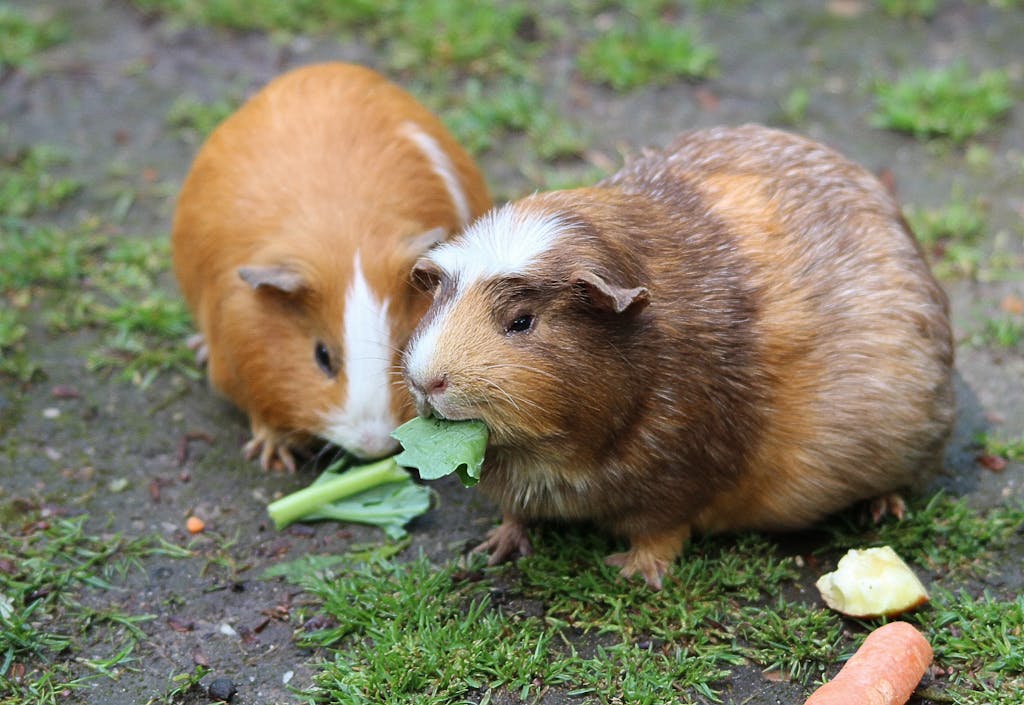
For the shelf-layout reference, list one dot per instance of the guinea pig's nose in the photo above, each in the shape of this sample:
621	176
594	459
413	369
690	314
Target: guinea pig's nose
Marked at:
437	385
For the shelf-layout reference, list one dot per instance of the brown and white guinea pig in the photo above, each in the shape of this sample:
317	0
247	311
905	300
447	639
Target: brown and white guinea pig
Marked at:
737	332
293	238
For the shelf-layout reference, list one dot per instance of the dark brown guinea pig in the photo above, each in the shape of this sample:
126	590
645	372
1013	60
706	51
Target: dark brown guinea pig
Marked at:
738	332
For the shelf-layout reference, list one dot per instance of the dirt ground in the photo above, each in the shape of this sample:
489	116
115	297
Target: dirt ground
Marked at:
104	96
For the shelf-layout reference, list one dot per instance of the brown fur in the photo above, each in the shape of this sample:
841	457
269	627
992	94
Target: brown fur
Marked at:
307	172
794	357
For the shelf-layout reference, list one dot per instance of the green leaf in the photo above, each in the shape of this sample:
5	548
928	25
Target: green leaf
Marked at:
389	507
438	447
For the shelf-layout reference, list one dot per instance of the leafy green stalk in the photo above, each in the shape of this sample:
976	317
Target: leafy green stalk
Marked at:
351	482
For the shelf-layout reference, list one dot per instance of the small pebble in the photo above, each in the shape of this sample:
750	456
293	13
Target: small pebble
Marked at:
194	525
51	413
222	689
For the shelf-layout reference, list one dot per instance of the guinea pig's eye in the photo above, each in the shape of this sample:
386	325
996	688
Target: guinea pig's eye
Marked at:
323	359
520	324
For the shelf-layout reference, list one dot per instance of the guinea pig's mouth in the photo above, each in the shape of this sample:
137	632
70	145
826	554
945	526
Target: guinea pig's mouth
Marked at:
439	410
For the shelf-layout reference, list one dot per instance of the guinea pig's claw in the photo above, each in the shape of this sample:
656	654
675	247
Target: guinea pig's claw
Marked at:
273	456
887	505
633	562
650	555
197	344
506	541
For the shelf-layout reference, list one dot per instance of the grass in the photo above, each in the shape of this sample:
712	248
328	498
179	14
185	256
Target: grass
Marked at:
483	118
647	51
562	620
979	639
558	624
951	234
477	37
909	9
193	120
83	276
30	184
291	16
1012	449
954	102
26	36
1004	331
48	570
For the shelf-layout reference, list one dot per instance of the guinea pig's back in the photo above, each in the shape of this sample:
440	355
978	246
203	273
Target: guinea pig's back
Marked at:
321	152
852	328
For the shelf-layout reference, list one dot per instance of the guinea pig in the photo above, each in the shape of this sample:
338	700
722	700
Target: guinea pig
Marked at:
738	332
293	238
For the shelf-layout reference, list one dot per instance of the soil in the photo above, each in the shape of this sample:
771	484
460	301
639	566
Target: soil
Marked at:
104	96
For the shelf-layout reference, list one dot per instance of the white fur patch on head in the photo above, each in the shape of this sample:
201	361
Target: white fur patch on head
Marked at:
363	426
419	355
442	166
504	242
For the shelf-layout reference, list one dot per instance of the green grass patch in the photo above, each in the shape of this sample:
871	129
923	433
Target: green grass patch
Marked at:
909	9
481	37
798	640
1005	331
193	120
82	276
474	36
13	359
24	37
560	619
980	640
646	50
940	533
85	278
28	184
954	102
951	234
290	16
481	118
47	568
1011	449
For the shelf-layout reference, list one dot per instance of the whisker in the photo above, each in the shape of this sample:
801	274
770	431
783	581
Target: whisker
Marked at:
512	366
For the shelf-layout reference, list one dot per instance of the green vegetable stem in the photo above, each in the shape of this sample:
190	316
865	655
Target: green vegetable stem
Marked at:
299	504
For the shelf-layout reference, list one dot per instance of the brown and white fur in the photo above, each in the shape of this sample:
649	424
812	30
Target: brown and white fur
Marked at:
738	332
293	238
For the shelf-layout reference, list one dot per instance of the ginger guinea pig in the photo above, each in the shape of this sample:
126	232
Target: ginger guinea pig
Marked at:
293	238
738	332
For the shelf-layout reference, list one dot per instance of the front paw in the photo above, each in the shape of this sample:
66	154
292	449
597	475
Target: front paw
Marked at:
506	541
272	447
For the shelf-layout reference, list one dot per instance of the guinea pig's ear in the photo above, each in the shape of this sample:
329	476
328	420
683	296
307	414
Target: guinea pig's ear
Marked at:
608	297
419	245
278	277
425	275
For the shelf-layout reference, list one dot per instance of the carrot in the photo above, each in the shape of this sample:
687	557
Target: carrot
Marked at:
884	670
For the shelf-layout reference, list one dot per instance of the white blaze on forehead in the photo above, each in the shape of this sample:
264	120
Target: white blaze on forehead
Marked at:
364	424
441	165
502	243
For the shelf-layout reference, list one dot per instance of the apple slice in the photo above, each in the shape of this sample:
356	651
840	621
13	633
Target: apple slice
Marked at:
871	582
